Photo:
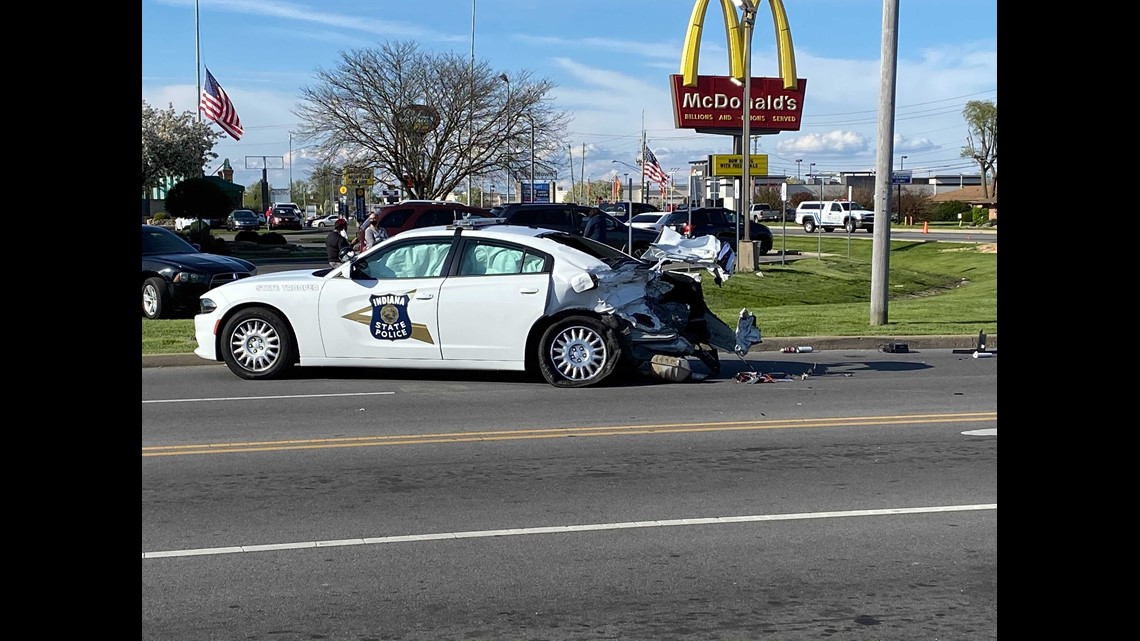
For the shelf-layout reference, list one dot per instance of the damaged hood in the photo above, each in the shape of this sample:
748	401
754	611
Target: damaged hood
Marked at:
665	308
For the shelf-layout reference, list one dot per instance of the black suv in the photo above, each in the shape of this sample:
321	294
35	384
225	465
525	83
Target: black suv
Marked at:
719	222
569	217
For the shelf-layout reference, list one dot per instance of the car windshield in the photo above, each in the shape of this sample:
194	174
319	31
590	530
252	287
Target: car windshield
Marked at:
848	206
646	218
156	240
244	215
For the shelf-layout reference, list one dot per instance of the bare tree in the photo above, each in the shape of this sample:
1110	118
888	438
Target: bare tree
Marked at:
429	120
981	117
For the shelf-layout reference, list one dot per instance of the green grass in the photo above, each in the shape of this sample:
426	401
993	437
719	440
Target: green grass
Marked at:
933	289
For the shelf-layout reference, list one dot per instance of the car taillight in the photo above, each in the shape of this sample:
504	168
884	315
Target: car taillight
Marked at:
687	229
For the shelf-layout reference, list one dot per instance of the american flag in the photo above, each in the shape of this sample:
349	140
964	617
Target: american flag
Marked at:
651	169
217	107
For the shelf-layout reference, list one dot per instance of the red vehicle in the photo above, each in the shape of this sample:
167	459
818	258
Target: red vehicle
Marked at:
412	214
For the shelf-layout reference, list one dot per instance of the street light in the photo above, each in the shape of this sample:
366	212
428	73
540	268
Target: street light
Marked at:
630	196
504	78
749	9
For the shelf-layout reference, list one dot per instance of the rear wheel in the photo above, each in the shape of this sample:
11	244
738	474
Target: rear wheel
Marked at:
257	344
849	226
638	250
809	225
155	300
577	351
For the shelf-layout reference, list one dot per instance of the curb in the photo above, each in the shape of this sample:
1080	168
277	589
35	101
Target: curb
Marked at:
817	343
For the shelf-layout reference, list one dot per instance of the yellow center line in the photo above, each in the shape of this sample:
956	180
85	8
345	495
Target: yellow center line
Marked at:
558	432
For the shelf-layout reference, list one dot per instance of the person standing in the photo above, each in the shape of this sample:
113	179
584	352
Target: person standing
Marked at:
373	232
336	243
595	226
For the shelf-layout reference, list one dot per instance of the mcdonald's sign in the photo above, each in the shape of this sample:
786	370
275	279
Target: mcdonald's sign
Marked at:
712	104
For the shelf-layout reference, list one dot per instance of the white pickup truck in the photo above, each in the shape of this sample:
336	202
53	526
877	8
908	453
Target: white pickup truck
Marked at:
832	214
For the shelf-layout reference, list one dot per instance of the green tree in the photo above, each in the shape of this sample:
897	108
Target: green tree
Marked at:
436	118
173	145
981	143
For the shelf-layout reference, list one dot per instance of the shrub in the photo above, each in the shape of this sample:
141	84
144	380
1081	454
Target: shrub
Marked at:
948	210
247	236
273	238
981	216
160	216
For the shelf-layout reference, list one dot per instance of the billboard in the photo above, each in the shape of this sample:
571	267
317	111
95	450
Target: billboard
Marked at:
714	104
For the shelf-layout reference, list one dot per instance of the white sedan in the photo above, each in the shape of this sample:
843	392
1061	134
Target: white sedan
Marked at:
478	297
324	221
652	220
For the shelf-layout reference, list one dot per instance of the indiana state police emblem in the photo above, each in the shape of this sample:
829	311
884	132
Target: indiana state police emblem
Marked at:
390	317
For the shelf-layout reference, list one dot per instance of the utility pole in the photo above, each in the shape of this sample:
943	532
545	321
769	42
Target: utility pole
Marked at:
881	245
642	163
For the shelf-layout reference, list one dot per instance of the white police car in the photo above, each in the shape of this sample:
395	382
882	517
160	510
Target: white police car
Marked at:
476	297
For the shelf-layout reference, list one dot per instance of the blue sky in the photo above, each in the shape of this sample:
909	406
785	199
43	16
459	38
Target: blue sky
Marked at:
610	62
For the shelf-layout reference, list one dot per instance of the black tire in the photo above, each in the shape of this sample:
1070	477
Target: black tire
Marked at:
639	250
577	351
764	247
809	225
257	344
155	298
850	226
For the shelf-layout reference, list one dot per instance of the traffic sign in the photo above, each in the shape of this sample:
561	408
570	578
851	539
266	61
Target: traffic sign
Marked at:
359	176
900	177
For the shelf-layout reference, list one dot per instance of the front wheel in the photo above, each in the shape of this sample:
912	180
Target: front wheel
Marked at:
257	344
849	226
155	300
809	226
577	351
639	251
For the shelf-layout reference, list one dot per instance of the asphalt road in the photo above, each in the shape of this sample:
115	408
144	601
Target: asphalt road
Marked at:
858	502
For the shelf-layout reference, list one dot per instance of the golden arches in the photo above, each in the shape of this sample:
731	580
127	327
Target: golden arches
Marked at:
734	33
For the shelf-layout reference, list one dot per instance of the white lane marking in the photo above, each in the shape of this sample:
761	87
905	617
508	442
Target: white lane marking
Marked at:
262	398
992	431
718	520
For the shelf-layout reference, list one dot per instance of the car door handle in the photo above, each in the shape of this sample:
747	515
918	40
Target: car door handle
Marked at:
528	290
424	296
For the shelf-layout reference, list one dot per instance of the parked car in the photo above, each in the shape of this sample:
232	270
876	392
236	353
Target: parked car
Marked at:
474	297
284	216
620	209
719	222
571	218
412	214
261	218
651	220
175	273
324	221
242	219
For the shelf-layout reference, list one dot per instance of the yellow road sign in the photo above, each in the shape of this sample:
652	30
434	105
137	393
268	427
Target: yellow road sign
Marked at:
731	165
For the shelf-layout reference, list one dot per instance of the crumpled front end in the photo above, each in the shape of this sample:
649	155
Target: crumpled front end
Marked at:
658	309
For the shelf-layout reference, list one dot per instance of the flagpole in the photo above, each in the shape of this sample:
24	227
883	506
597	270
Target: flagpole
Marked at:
197	60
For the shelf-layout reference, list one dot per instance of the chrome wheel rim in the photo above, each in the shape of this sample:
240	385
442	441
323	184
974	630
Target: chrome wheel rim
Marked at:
150	300
578	353
255	345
